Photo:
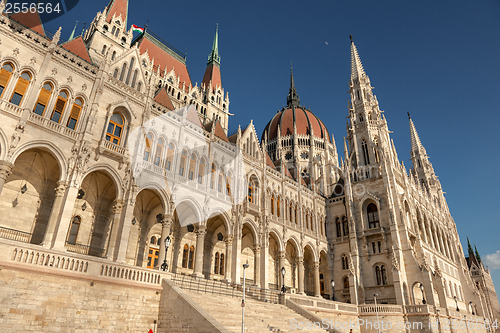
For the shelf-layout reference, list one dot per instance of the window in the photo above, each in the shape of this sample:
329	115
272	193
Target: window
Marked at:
339	227
216	263
147	148
127	80
228	184
221	270
185	256
295	217
272	204
43	99
103	49
212	177
76	109
182	164
62	99
21	86
290	209
115	73
124	69
201	171
376	247
5	75
220	180
345	262
113	56
134	79
191	257
73	230
170	156
115	129
365	152
159	150
278	207
192	166
345	282
372	213
380	275
345	226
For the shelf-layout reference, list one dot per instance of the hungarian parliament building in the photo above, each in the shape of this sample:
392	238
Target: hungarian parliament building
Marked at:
119	177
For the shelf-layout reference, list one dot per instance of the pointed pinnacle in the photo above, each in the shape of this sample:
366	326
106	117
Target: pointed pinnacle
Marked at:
357	69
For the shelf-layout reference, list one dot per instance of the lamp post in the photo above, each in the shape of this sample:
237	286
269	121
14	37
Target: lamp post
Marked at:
164	266
471	308
245	266
333	290
439	323
376	311
283	271
423	295
456	303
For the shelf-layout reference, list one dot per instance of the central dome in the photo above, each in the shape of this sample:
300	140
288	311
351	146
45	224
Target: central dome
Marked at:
306	122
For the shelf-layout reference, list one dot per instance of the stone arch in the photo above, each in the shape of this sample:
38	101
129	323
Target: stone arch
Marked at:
112	173
223	215
292	253
325	286
253	227
293	239
3	145
418	293
45	145
273	260
214	251
310	259
274	232
160	191
29	193
313	251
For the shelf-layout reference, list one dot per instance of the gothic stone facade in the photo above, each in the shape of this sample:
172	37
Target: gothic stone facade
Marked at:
68	175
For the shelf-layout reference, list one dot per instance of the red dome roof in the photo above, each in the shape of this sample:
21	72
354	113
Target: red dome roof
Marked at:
306	121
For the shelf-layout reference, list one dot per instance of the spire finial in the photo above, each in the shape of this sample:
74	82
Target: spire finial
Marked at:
350	37
357	69
292	98
409	117
214	54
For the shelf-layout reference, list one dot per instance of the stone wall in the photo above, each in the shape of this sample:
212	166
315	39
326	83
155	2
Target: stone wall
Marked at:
38	302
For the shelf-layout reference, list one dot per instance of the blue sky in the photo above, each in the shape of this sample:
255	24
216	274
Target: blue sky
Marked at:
435	59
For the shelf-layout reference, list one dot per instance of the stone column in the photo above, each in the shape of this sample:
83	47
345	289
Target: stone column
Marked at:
317	290
55	214
229	258
257	265
124	231
200	246
111	248
59	239
5	171
166	224
300	269
237	264
281	264
264	270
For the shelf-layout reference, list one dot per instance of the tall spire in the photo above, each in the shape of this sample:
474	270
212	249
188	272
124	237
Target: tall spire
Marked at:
292	98
357	69
415	140
214	57
73	32
117	8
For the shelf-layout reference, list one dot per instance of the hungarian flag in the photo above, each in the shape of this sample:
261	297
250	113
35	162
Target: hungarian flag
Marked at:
137	28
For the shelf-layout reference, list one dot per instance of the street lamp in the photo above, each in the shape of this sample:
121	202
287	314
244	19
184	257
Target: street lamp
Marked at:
245	266
439	323
423	295
456	303
333	290
376	311
164	266
471	308
283	271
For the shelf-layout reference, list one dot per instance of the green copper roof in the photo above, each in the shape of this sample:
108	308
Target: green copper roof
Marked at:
214	57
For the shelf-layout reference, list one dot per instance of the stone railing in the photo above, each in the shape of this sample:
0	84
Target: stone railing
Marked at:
52	125
36	258
84	249
10	108
380	308
112	147
319	304
17	235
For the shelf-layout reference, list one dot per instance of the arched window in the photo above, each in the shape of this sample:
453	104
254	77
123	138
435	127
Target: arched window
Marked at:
139	86
73	229
216	263
345	262
290	210
221	270
113	56
278	206
43	99
131	67
170	156
185	256
345	226
295	216
20	90
228	184
115	128
115	73
192	166
345	282
372	212
380	275
220	180
113	30
365	152
134	78
272	204
191	257
104	47
212	177
338	227
5	75
124	70
201	171
182	164
153	240
62	99
76	109
159	151
147	148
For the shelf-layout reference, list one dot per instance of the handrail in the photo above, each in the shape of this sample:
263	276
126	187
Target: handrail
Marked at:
17	235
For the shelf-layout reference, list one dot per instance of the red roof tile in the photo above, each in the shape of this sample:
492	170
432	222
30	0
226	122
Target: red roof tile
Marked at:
162	98
219	132
30	20
269	162
118	7
77	47
193	117
212	73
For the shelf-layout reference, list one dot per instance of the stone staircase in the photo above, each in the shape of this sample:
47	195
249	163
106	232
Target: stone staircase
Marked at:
260	317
